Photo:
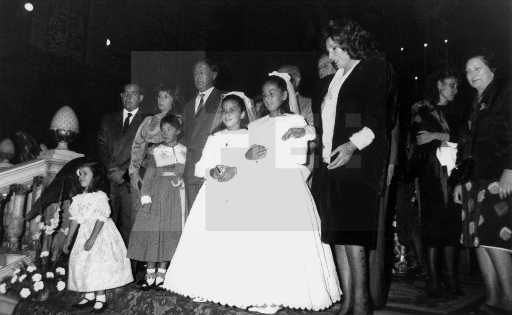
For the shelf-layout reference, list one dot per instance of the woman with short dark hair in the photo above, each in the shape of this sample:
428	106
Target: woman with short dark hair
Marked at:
357	110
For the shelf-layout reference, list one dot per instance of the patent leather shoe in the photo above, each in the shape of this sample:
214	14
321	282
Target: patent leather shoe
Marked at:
89	303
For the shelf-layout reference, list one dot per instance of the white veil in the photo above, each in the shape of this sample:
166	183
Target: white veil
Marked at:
249	109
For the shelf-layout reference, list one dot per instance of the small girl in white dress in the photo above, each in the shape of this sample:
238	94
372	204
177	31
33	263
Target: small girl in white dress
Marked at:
98	259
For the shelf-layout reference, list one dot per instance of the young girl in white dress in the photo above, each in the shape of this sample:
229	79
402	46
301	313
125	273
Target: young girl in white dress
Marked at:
254	240
98	259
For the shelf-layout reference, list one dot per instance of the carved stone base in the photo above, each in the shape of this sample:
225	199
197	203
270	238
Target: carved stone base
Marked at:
57	154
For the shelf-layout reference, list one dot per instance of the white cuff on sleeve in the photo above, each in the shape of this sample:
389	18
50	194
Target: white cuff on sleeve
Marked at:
145	199
363	138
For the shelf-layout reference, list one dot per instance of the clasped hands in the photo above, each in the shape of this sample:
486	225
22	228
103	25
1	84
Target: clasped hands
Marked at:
116	174
223	173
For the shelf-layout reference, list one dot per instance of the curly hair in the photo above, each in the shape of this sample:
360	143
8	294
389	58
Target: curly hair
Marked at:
488	56
99	181
178	98
431	93
352	39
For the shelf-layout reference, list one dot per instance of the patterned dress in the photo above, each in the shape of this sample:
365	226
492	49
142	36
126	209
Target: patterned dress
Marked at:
105	265
155	235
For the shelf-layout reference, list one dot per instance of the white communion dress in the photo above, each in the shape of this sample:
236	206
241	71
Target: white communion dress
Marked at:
105	265
255	239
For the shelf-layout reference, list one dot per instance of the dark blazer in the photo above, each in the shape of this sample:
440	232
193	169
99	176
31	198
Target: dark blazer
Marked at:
366	99
115	149
197	130
491	123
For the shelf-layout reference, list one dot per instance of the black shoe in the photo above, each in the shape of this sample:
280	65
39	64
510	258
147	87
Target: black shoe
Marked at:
146	286
160	287
78	306
102	309
451	285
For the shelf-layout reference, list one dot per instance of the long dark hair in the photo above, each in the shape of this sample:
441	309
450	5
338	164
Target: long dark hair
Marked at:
281	84
99	181
178	98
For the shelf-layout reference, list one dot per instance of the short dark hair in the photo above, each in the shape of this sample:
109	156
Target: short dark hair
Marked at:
351	37
431	91
174	121
488	56
141	87
99	181
178	99
210	63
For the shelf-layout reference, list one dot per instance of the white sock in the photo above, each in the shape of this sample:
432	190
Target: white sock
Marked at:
100	300
89	296
160	279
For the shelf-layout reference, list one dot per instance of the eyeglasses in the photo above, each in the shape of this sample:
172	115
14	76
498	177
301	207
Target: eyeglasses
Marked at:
129	94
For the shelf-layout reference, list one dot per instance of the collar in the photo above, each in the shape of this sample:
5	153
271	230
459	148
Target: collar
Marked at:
206	93
133	112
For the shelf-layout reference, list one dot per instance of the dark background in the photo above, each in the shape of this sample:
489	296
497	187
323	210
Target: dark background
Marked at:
57	55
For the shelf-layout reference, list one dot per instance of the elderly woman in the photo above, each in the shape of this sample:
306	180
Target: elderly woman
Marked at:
432	140
357	111
485	188
170	101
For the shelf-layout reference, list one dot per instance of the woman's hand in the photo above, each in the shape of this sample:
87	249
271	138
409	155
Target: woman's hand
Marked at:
294	133
457	194
256	152
227	173
65	249
135	180
345	153
425	137
505	183
89	244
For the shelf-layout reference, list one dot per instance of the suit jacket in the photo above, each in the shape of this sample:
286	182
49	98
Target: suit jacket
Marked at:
366	99
196	132
115	149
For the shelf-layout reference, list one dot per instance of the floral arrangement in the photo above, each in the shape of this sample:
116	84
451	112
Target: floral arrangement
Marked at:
29	282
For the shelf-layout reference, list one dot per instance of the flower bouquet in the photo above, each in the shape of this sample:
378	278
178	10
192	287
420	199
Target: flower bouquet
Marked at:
28	282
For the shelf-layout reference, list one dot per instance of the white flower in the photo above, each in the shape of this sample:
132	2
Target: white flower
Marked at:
60	271
31	268
38	218
2	288
65	231
13	279
61	285
16	271
41	226
24	292
49	231
22	277
49	275
37	277
39	285
45	254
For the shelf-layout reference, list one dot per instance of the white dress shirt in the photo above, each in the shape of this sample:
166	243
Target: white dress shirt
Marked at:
205	97
133	112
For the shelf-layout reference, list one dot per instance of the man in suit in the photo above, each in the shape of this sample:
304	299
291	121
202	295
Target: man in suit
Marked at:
305	109
115	138
198	117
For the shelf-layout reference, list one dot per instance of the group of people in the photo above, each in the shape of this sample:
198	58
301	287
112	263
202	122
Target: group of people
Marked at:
224	201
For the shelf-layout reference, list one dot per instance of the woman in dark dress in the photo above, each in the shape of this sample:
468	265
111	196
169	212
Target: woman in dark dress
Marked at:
433	138
357	110
486	194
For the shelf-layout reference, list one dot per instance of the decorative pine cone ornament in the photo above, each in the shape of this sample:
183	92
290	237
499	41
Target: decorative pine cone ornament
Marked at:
7	151
64	127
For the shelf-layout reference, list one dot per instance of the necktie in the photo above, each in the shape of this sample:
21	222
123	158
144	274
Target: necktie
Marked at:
201	103
126	123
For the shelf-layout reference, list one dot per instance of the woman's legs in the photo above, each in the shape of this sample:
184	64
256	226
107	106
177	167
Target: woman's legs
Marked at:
490	276
150	276
160	275
357	261
345	279
101	299
502	263
433	275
